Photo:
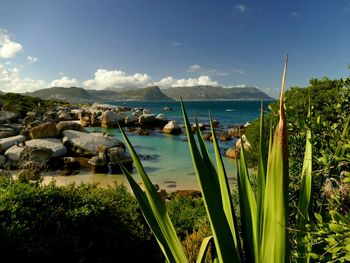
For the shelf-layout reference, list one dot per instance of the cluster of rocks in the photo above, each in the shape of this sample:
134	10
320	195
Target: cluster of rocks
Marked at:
56	140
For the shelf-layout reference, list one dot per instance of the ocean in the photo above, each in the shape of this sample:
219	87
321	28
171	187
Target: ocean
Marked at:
166	158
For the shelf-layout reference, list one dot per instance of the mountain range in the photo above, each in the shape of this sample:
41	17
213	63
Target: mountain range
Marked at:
152	93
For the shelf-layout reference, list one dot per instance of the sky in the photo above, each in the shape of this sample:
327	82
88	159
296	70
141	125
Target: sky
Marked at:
137	43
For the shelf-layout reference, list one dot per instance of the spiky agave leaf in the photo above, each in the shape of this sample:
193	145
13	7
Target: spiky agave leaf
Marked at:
304	199
262	167
210	188
154	210
274	242
248	209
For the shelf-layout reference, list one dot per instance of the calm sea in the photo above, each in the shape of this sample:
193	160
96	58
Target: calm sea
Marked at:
166	158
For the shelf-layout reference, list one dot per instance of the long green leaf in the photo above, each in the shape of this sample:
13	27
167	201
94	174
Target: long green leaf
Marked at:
158	210
274	244
304	199
262	167
149	216
248	210
211	194
226	194
203	251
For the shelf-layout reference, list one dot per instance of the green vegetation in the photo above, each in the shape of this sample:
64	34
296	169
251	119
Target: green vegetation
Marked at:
22	104
75	223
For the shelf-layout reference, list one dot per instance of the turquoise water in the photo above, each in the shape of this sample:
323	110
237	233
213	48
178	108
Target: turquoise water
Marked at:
166	158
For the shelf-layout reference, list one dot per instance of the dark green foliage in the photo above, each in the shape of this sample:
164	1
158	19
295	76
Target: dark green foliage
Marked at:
186	213
72	224
22	104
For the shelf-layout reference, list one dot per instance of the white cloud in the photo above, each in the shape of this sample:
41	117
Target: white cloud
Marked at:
64	82
8	48
117	79
32	60
12	81
241	8
194	68
172	82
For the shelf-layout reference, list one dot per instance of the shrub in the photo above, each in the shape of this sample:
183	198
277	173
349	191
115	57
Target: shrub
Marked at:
72	223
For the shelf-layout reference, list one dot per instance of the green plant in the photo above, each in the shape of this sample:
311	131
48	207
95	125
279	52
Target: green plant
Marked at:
264	220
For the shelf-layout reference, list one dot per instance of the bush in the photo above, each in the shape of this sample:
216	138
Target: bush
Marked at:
73	224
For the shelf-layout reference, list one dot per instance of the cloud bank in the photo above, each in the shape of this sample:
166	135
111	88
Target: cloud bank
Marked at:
64	82
8	47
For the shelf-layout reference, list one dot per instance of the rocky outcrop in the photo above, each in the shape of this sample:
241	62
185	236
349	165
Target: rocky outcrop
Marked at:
69	125
88	143
34	158
54	145
45	130
232	153
172	128
8	117
6	143
246	143
110	119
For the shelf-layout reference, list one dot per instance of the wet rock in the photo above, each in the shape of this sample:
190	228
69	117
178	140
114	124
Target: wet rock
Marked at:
172	128
98	165
131	120
45	130
117	156
161	117
147	118
142	132
71	166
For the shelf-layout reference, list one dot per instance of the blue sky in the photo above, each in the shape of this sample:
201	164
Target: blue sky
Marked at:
99	44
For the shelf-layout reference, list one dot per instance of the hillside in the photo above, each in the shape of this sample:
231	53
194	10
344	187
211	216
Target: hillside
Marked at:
73	94
152	93
80	95
216	93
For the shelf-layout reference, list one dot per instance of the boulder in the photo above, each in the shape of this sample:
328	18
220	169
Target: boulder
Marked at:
45	130
146	111
8	117
147	118
64	115
233	132
172	128
88	143
54	145
137	113
117	156
2	161
110	119
246	143
6	143
34	157
232	153
131	119
69	125
98	165
161	117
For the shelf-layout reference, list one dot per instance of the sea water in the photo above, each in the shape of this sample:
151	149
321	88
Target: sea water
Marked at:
166	158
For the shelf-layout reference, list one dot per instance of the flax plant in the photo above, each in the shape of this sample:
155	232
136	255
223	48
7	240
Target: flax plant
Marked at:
264	216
